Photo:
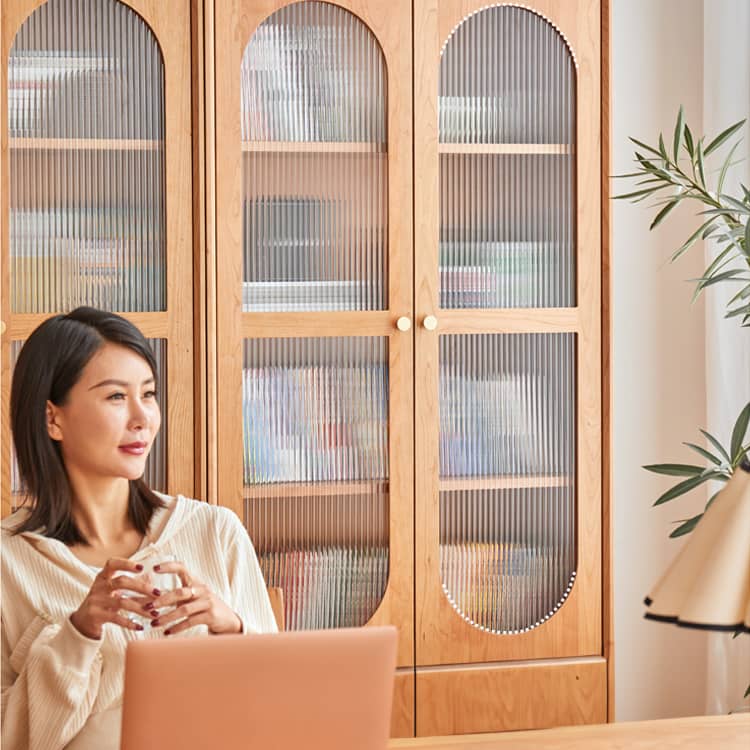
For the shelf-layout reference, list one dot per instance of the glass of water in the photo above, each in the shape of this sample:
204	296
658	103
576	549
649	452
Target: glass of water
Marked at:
163	581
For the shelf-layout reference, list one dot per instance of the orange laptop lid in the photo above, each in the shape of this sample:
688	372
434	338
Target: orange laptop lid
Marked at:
307	690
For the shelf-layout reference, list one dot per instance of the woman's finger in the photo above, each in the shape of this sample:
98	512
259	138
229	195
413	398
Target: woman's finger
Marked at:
179	569
184	611
203	618
115	564
180	596
139	605
137	584
125	622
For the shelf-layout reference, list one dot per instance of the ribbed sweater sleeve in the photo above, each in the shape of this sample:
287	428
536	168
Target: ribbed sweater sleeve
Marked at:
49	683
249	595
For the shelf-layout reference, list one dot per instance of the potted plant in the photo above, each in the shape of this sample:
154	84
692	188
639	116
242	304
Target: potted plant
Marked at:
670	176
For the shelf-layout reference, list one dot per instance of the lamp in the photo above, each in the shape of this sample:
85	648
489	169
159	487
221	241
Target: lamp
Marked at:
708	584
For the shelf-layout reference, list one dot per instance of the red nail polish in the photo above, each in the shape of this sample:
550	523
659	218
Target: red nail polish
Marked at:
167	632
157	568
139	567
139	626
154	622
156	592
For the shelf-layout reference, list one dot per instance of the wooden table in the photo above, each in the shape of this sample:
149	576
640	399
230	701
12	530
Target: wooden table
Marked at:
709	732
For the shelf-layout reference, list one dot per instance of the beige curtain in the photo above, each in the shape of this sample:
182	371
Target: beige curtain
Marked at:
726	99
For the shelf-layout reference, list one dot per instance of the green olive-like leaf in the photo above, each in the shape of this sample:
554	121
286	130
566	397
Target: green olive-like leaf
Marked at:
703	452
716	444
675	470
722	137
738	433
663	213
689	146
678	132
686	486
686	527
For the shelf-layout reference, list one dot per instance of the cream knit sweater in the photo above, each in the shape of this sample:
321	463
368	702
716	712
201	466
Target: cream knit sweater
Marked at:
57	684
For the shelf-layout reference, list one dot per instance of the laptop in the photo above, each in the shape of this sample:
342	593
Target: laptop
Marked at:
306	690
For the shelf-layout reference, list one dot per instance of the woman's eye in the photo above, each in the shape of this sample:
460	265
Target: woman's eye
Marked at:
150	394
116	396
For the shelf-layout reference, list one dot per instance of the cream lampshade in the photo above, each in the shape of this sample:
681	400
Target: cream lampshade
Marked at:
708	584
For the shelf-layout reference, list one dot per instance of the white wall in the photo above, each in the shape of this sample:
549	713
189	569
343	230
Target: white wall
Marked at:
658	356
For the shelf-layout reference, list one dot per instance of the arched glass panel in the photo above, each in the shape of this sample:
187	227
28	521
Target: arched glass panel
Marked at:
507	476
86	129
507	163
315	425
507	240
314	169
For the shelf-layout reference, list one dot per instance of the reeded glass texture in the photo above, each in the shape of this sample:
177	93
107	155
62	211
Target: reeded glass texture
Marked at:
156	465
507	163
155	474
507	476
314	163
315	429
86	152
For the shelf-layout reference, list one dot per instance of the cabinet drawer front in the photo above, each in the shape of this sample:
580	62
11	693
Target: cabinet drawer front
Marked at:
504	698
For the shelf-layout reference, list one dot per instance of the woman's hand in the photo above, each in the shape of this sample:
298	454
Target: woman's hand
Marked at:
194	604
105	599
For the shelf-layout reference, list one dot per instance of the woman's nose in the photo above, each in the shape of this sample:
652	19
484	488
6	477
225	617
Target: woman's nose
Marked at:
139	417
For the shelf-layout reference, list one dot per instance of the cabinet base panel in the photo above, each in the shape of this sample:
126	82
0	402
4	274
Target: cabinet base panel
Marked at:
462	700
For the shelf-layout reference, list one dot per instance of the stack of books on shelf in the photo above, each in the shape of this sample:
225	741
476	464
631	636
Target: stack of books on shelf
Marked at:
295	258
301	83
491	426
109	258
65	94
486	274
327	587
506	587
520	116
315	423
298	296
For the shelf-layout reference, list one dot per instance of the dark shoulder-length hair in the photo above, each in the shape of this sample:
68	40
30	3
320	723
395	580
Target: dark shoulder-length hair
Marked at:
49	365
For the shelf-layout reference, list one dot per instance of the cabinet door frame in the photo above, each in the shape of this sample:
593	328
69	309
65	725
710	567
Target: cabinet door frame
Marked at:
171	25
234	24
443	636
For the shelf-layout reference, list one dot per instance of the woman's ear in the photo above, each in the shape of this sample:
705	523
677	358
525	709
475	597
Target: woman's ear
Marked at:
53	426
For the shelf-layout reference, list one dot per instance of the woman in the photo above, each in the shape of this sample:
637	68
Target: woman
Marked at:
84	415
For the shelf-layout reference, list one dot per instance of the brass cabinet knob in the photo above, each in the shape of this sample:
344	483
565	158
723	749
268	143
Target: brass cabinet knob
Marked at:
430	322
403	323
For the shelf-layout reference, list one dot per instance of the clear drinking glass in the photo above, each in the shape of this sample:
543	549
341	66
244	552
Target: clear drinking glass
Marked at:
163	581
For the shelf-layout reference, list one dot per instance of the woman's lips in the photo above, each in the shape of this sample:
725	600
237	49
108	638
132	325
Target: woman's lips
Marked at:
134	449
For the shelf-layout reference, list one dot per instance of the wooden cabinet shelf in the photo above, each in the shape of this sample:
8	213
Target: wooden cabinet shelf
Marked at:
506	482
84	144
329	147
315	489
559	149
152	324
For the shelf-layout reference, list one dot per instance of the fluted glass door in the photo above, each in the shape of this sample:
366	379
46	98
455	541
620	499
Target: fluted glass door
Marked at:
507	402
86	129
311	283
97	117
500	340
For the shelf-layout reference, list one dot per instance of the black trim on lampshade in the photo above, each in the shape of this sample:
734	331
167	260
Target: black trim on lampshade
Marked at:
739	627
648	601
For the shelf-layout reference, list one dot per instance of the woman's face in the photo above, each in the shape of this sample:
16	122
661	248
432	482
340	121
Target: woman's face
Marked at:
109	420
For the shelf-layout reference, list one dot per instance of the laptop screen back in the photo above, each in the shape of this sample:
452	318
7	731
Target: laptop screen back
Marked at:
317	690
